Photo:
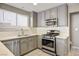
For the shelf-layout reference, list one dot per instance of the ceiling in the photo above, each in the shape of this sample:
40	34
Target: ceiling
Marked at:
31	7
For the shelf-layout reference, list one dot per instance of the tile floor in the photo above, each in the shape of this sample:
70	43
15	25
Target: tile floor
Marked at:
37	52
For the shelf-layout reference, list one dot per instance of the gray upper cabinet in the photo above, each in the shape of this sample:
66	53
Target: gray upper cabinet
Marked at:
47	14
41	19
53	13
62	15
51	17
34	19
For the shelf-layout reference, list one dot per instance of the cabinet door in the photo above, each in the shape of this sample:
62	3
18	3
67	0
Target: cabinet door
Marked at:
24	46
31	43
1	16
47	14
16	50
53	13
41	19
35	41
39	41
60	47
62	15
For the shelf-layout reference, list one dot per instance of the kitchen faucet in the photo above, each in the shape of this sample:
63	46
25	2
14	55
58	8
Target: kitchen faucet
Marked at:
21	32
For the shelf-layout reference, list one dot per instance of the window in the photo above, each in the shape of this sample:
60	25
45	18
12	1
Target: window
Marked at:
22	20
10	17
13	18
1	15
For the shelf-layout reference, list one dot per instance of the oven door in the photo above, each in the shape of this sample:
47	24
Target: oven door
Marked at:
48	44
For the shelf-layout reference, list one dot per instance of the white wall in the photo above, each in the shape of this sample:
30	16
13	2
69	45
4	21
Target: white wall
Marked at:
73	7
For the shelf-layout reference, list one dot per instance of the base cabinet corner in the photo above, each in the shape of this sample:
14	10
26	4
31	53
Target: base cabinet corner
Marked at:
13	46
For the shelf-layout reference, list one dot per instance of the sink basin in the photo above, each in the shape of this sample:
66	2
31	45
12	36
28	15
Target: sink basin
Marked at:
23	35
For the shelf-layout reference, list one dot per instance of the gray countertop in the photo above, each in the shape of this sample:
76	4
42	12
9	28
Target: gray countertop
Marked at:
62	36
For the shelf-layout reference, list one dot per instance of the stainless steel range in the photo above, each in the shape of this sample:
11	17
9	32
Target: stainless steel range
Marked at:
49	42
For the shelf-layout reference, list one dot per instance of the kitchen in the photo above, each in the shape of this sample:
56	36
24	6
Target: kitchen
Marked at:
36	30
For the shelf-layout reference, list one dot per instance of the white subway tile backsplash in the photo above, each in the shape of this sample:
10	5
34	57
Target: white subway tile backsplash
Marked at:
40	30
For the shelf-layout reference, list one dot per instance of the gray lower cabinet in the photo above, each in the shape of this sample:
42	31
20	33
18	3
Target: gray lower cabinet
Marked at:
27	44
61	47
32	42
23	46
35	41
16	47
13	46
40	41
